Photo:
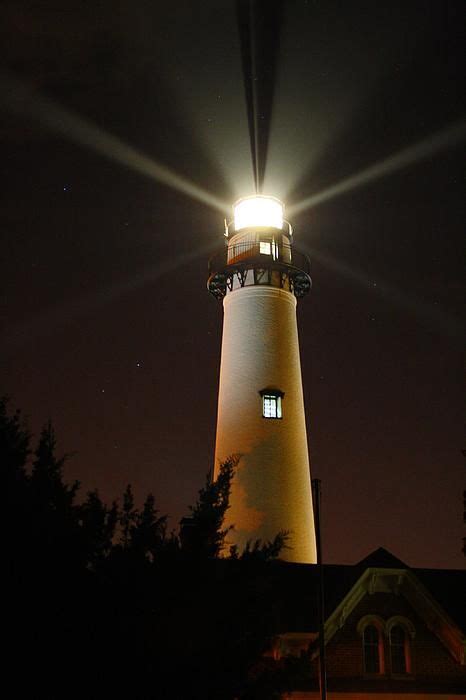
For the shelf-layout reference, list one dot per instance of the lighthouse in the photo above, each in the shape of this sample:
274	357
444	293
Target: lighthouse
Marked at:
259	275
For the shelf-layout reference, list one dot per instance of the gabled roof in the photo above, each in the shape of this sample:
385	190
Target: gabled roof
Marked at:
448	587
381	558
402	582
436	595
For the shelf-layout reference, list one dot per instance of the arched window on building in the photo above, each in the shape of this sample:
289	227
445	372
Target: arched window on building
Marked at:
397	649
371	644
400	632
372	630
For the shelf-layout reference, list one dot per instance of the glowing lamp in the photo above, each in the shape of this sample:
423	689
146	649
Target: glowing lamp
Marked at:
258	210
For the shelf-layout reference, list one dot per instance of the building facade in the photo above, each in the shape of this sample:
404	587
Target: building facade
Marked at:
390	631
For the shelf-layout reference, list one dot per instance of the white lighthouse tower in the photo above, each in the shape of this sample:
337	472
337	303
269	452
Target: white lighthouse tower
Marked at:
259	275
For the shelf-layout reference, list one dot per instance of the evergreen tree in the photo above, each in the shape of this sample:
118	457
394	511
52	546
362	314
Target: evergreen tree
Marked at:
262	551
206	532
128	517
148	533
47	474
104	603
14	452
14	446
98	524
54	517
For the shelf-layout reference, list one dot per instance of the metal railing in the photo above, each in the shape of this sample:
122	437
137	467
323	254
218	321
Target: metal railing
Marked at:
259	254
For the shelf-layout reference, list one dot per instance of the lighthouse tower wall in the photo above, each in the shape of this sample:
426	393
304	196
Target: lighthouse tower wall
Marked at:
271	490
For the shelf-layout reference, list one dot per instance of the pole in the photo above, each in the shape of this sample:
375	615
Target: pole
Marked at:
316	491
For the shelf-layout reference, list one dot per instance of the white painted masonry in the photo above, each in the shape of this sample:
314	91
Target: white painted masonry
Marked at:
272	488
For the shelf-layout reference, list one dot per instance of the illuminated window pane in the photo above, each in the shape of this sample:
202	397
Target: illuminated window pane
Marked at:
371	649
397	649
271	406
265	248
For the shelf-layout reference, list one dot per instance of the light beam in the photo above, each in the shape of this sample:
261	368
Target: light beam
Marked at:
59	315
446	138
434	315
24	100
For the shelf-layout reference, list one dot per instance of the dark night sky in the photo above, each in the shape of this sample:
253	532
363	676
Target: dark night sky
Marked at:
107	326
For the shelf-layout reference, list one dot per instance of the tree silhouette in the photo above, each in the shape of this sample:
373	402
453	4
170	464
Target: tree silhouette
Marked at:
47	474
98	525
148	533
206	532
262	551
14	444
106	591
14	452
54	517
128	517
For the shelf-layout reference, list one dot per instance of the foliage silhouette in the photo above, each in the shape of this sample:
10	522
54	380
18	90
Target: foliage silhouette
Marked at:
206	532
105	596
14	443
98	526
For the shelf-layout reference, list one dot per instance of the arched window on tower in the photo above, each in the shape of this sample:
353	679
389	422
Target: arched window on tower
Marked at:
371	649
